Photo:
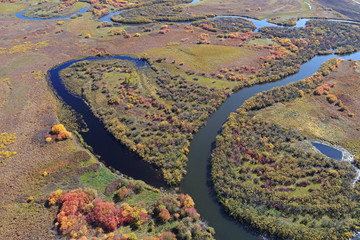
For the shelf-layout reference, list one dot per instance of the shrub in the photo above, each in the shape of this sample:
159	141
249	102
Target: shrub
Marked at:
331	98
61	132
339	103
188	202
164	215
74	226
134	215
123	193
63	135
57	128
169	202
343	109
75	205
167	236
104	215
192	213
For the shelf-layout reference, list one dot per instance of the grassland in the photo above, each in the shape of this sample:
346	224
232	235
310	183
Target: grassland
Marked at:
11	8
206	58
314	117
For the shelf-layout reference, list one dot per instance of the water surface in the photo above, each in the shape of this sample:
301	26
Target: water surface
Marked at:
107	18
328	151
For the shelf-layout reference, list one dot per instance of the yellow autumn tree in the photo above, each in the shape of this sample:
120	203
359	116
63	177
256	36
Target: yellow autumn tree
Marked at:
57	128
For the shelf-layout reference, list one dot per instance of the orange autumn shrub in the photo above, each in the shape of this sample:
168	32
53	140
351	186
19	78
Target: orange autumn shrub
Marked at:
164	215
60	131
57	128
123	193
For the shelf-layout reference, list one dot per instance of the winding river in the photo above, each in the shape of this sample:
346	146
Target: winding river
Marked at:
197	182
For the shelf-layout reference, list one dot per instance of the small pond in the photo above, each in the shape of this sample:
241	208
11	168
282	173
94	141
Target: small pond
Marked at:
328	151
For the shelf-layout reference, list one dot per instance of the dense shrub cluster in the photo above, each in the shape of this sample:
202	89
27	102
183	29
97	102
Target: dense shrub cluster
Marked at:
292	90
98	8
81	207
170	12
51	10
81	211
58	132
283	21
324	35
226	25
